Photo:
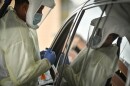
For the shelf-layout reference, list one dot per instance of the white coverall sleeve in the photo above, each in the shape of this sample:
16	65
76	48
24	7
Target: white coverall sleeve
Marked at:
76	64
21	63
70	76
72	71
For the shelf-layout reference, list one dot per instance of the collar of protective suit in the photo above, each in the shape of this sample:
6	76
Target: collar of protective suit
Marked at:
12	13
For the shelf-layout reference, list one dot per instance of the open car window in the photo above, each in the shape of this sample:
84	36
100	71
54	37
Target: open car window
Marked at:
84	31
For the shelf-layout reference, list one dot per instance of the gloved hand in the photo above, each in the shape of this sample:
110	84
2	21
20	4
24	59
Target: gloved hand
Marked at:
7	1
48	54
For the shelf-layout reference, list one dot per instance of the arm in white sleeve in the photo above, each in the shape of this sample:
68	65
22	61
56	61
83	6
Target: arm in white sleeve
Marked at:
21	63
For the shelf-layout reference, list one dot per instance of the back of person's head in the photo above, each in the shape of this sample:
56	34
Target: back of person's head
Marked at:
21	7
114	35
19	2
111	37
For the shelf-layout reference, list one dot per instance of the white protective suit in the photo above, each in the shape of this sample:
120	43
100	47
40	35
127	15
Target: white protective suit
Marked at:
99	66
20	63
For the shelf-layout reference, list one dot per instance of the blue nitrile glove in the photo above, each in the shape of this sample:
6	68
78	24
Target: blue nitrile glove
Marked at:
7	1
49	54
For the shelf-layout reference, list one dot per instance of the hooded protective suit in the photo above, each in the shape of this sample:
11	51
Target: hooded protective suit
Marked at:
20	63
100	65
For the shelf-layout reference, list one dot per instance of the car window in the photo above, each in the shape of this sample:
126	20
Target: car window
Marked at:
59	42
84	31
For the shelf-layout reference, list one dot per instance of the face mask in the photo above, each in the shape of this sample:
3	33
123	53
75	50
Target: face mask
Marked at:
37	18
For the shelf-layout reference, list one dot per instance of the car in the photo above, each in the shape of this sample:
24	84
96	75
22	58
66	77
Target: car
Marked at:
80	25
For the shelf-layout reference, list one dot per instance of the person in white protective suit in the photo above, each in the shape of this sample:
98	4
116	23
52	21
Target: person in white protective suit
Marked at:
20	61
100	63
